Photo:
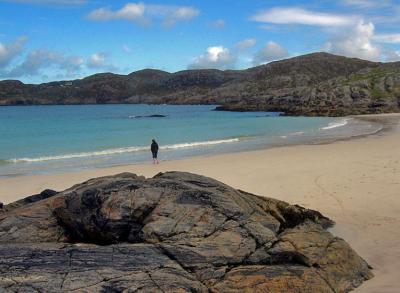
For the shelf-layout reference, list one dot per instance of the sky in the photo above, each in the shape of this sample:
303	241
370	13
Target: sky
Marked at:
48	40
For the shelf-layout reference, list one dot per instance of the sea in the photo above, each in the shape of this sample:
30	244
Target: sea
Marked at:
52	139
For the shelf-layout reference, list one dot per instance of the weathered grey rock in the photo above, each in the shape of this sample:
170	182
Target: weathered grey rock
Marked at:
30	199
176	232
148	116
87	268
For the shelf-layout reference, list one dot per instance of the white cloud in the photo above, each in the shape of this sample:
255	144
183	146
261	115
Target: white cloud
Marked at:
271	52
216	57
50	2
176	14
294	15
219	23
101	14
100	61
97	60
38	60
387	38
356	42
42	63
352	36
367	3
245	44
131	11
142	13
9	51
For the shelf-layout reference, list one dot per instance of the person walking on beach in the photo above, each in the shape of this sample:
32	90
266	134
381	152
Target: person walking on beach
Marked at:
154	151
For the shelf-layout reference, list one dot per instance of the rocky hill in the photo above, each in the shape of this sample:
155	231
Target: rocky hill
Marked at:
175	232
314	84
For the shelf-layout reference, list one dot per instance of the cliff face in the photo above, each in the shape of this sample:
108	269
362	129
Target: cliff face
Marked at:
314	84
372	89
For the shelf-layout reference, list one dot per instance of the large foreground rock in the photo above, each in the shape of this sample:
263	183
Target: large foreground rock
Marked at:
176	232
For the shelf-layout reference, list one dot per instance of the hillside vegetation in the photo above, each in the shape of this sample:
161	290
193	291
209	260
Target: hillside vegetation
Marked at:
315	84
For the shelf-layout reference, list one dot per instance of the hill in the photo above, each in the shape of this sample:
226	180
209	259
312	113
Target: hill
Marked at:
314	84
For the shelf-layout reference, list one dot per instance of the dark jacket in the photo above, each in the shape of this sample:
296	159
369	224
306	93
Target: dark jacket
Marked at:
154	147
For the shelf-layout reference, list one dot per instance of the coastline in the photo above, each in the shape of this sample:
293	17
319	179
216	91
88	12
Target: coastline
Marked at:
389	125
386	123
34	160
354	181
389	121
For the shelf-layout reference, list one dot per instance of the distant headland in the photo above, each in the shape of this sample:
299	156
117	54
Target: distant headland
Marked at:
317	84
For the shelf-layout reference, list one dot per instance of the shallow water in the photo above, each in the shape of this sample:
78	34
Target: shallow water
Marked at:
45	139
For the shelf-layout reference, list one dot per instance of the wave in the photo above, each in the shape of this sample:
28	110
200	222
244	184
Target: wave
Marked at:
297	133
121	151
337	124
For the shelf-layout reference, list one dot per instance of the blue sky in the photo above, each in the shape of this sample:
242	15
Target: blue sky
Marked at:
46	40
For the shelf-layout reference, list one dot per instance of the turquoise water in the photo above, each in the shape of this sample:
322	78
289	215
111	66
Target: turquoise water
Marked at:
42	139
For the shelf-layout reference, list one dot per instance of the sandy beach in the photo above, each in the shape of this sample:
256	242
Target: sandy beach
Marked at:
354	182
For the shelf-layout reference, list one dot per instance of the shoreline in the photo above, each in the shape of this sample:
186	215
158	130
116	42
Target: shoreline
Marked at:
355	182
382	122
389	124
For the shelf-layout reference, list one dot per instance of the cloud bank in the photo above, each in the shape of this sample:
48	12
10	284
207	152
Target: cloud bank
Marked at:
348	35
100	61
9	51
14	63
142	13
356	42
294	15
40	60
217	57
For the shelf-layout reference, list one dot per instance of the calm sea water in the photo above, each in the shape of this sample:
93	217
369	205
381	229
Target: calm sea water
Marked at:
43	139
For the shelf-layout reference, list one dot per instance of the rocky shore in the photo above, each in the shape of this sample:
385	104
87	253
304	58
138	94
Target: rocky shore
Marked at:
175	232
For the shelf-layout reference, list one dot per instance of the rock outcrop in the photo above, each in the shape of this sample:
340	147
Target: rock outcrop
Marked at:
175	232
30	199
314	84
